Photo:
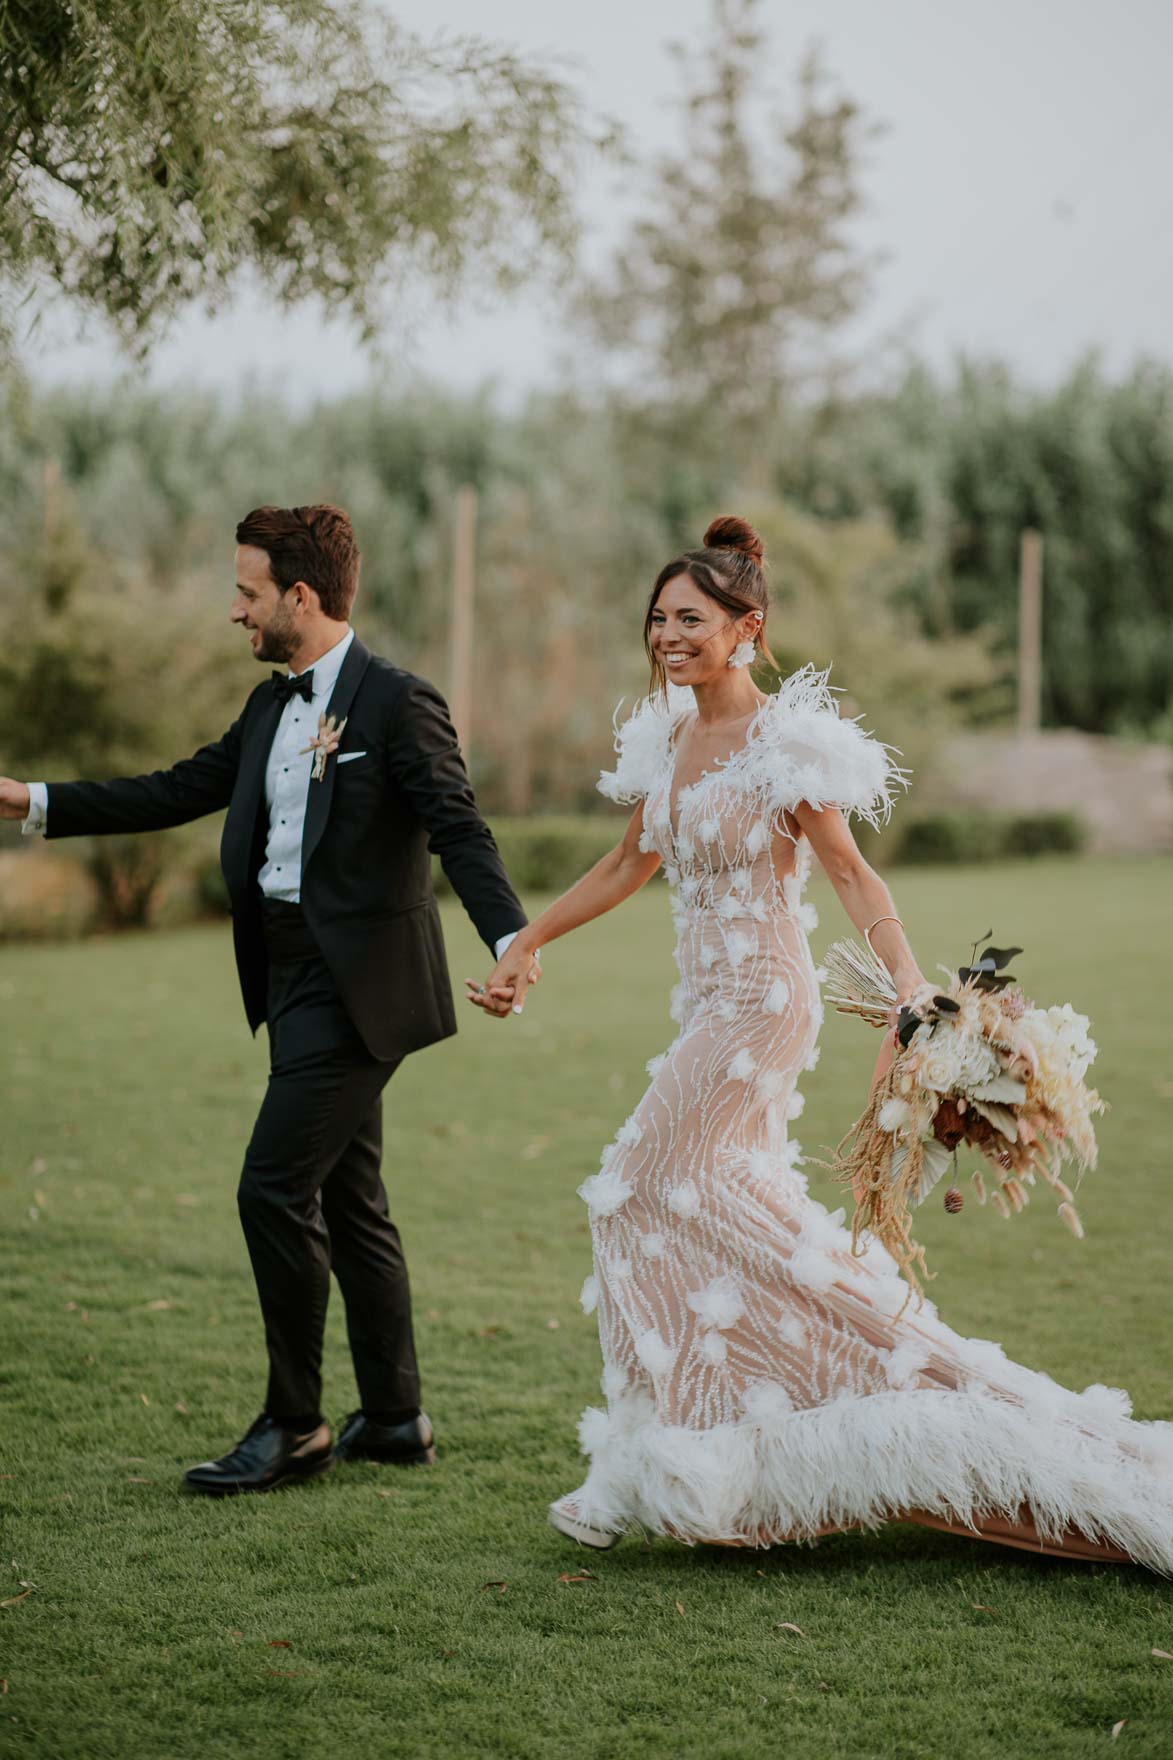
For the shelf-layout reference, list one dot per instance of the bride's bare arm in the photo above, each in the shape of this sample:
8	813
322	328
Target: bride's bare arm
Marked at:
862	893
622	871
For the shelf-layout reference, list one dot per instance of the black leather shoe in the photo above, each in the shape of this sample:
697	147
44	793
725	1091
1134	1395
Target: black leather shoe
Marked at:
266	1457
401	1445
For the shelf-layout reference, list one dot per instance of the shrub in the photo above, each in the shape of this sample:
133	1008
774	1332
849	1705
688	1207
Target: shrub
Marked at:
1045	833
548	854
953	834
974	834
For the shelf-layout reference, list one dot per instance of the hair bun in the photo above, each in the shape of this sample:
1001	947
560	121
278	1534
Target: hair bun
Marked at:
727	532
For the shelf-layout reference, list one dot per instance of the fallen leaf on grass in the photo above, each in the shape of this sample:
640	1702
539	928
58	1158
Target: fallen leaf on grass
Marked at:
236	1634
3	1689
144	1399
787	1625
1165	1655
447	1653
679	1608
158	1307
135	1480
280	1644
500	1587
824	1687
578	1577
181	1409
1117	1727
285	1674
13	1599
488	1331
982	1608
384	1494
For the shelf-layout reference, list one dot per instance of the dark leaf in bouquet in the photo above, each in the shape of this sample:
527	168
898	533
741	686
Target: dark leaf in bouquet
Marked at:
973	956
1001	956
946	1005
907	1021
982	978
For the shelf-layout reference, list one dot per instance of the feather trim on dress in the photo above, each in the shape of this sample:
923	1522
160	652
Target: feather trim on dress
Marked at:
783	1474
798	748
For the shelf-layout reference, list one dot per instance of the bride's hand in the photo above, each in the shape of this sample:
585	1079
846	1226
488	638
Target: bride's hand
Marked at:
504	990
908	987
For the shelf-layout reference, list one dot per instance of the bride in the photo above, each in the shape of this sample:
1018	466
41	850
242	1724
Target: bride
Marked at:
760	1385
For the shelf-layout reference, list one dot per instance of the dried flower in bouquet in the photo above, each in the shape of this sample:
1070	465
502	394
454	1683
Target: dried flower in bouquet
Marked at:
976	1064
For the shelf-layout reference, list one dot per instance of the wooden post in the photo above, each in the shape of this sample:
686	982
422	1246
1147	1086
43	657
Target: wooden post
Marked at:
1030	630
463	597
50	497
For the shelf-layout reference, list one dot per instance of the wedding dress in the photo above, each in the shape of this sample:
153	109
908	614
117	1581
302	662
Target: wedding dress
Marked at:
759	1384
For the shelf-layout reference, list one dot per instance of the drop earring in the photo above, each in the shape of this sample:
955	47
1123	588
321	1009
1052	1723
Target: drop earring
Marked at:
742	655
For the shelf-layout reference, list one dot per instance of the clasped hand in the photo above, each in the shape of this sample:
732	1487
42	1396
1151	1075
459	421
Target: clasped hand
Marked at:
14	799
504	990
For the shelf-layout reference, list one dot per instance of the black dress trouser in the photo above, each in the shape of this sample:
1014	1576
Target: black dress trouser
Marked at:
311	1196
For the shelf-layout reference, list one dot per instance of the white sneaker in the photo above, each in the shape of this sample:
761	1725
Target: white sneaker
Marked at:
565	1516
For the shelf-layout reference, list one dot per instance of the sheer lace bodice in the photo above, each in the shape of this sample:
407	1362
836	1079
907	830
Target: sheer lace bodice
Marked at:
761	1381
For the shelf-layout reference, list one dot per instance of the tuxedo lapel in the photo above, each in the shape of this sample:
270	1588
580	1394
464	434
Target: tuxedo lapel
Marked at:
240	825
321	793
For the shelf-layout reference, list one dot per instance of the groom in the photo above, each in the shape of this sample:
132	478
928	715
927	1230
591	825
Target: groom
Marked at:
338	778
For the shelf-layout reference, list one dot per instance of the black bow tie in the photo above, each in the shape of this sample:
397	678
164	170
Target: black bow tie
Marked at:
285	686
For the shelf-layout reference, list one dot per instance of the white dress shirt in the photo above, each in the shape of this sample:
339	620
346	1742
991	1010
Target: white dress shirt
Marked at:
287	783
287	775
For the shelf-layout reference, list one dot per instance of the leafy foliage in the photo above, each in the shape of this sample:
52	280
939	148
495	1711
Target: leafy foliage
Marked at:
961	467
149	153
727	289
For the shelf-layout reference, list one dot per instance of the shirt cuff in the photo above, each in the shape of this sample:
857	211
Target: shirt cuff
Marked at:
37	817
503	941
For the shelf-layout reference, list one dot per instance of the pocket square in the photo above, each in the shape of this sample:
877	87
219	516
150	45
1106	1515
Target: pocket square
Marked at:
349	757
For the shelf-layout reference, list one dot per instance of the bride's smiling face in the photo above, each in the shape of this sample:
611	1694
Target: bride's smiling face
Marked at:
691	635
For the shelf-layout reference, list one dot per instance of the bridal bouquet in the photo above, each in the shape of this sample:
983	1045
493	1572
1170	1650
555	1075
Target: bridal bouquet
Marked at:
976	1063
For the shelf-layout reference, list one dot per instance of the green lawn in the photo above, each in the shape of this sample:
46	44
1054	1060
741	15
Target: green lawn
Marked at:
361	1615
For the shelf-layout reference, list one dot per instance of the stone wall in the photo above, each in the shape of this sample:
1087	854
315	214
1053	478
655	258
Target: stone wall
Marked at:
1122	789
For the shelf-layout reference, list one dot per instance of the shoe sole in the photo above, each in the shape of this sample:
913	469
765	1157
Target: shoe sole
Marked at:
426	1457
299	1477
598	1539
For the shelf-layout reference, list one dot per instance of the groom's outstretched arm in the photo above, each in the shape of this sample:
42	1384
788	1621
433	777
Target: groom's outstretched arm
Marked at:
195	786
425	765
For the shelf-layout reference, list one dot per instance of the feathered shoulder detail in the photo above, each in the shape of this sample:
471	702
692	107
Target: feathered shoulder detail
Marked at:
802	749
642	742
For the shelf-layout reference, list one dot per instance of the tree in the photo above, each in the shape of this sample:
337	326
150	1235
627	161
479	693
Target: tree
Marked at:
723	295
149	153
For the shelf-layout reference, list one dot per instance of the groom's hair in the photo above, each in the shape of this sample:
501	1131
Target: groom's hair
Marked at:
311	544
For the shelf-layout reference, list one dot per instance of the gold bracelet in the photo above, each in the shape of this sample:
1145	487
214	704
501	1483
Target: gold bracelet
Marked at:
867	934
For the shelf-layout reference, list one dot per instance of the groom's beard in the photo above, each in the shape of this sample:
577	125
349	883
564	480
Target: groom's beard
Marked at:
278	644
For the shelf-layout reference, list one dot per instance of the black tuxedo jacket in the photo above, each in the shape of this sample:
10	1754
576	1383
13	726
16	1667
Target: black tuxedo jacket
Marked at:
366	885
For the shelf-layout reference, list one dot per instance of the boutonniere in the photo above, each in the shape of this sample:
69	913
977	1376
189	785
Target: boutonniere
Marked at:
328	740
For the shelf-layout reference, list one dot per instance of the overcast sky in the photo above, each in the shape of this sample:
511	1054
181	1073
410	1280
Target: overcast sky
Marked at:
1021	193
